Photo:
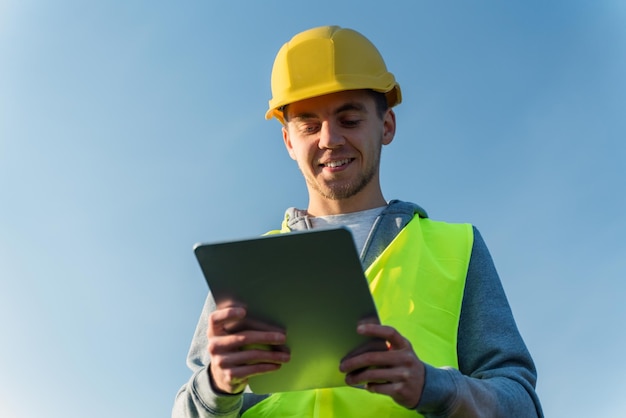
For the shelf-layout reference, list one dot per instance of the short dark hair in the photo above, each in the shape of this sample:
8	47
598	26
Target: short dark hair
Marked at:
380	99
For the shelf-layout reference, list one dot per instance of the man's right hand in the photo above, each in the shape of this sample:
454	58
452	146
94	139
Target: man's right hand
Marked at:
239	351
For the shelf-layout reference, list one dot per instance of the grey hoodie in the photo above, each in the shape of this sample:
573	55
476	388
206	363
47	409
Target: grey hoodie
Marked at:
496	376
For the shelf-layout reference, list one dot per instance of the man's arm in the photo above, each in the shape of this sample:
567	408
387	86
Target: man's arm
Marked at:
196	398
496	376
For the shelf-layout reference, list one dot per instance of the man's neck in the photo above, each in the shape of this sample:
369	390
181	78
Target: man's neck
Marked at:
323	206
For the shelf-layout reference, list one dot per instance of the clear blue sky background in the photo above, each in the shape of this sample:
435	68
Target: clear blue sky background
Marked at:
130	130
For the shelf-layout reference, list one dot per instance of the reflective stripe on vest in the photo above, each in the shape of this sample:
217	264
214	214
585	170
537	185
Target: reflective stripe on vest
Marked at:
417	284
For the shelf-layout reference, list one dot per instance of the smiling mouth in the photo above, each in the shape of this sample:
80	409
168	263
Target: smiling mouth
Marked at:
337	163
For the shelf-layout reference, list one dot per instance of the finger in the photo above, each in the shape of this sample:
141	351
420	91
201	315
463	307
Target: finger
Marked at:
378	374
220	319
383	360
263	341
389	334
228	313
266	341
234	379
357	365
250	370
237	377
250	356
369	320
398	342
386	388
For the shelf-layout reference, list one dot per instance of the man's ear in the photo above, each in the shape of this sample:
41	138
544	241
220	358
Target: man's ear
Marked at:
287	142
389	126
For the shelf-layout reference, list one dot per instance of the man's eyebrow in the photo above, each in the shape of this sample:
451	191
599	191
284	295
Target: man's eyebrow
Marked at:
359	107
356	106
304	116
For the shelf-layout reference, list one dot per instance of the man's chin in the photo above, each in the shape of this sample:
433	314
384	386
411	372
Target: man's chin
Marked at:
339	192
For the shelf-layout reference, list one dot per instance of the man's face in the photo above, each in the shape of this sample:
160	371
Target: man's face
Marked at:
336	139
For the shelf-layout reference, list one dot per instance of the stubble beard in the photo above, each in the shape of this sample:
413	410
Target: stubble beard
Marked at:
346	190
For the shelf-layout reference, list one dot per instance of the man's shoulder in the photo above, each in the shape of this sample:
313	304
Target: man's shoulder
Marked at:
404	208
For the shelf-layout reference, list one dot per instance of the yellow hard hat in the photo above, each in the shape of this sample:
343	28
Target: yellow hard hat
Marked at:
325	60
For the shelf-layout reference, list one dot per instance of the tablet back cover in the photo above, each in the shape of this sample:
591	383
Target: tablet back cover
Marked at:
312	284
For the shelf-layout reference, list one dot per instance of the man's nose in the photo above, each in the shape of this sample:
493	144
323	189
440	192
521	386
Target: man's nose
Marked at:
330	136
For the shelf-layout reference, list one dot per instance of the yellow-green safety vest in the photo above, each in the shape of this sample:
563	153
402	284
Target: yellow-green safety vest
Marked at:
417	284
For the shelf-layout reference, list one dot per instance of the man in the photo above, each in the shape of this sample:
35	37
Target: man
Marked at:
453	346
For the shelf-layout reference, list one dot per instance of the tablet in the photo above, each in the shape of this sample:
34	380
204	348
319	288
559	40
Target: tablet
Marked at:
310	283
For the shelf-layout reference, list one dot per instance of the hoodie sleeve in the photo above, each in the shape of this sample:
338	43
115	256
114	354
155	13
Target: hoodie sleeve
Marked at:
196	398
496	376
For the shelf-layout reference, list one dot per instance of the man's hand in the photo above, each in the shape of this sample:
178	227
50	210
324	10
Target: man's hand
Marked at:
397	372
239	351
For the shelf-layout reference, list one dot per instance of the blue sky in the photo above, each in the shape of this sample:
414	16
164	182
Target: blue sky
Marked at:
131	130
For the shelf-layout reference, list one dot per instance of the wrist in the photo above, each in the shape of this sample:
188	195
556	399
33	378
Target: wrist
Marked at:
216	389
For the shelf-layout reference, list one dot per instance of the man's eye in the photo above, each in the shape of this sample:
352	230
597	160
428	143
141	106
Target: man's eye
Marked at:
309	129
350	123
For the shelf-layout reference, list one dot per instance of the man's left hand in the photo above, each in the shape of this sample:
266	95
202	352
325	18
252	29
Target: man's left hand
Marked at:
397	372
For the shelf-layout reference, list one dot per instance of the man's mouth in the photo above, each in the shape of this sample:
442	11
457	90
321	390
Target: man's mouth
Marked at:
336	163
